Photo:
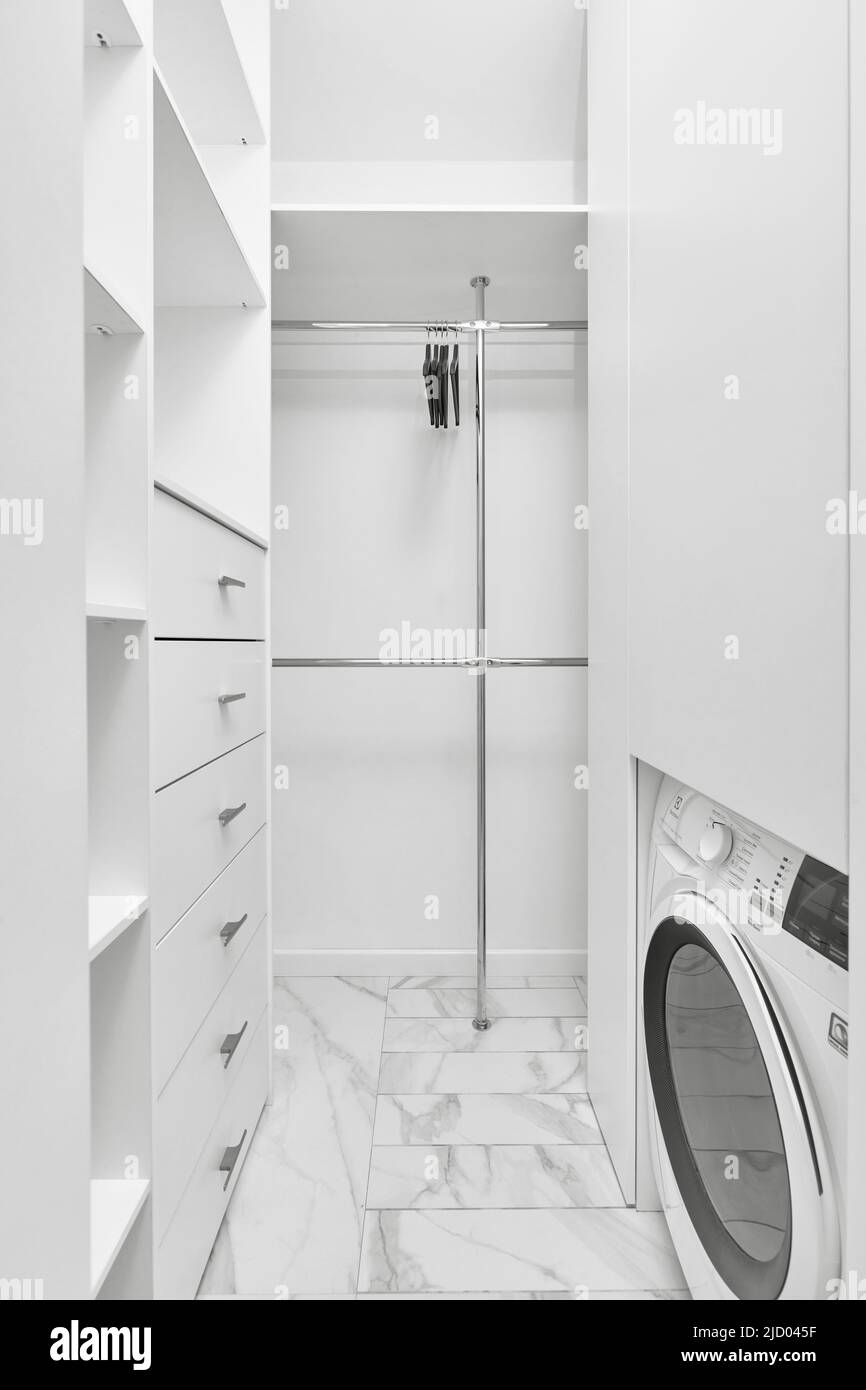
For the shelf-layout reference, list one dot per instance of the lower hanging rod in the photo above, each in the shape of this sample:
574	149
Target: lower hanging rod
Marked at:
467	326
464	662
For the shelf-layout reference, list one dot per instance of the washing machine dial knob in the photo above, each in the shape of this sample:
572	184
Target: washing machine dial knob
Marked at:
716	844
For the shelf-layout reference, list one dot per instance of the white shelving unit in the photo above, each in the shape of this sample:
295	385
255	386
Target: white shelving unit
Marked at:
118	340
201	59
115	613
103	310
114	1206
189	216
109	916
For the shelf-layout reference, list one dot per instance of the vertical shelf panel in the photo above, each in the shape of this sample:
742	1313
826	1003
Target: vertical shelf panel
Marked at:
115	173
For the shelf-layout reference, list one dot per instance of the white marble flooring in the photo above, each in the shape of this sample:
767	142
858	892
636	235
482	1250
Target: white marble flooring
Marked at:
407	1156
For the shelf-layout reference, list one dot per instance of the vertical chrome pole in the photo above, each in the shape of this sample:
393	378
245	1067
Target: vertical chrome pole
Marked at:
480	1021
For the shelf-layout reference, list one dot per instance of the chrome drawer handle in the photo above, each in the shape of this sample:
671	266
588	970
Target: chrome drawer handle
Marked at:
230	699
226	581
230	1158
230	1043
230	812
232	928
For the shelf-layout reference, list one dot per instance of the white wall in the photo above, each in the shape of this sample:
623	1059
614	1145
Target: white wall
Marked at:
855	1252
44	1079
380	812
738	267
611	883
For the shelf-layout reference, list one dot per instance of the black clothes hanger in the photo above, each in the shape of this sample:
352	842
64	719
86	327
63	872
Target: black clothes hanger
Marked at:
427	370
443	378
455	381
434	380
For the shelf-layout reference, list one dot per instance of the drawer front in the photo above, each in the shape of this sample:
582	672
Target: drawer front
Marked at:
183	1252
190	555
196	832
195	960
190	1103
207	697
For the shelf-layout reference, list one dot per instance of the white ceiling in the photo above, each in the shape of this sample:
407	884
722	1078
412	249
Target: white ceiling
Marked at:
356	80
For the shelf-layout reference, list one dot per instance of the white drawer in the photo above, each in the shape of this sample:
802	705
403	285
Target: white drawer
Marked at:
196	832
207	697
189	1104
190	555
183	1253
194	961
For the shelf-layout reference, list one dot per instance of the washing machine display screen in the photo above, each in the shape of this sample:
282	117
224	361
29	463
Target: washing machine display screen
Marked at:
817	911
726	1104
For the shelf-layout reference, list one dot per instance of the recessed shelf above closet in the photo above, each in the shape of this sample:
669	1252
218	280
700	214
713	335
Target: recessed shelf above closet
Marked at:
111	20
114	1205
199	259
486	103
104	310
198	52
348	264
108	918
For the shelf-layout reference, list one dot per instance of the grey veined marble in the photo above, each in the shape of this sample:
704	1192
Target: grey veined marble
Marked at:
489	1251
489	1119
501	1003
481	1072
506	1035
294	1223
499	1176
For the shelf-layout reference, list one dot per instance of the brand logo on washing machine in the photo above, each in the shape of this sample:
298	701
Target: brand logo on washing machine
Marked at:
837	1034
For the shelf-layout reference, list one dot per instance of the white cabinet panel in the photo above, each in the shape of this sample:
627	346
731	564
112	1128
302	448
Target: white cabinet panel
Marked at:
199	825
183	1253
189	1104
207	697
738	412
191	554
193	962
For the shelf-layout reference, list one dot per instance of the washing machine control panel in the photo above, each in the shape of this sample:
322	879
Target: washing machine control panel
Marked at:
763	884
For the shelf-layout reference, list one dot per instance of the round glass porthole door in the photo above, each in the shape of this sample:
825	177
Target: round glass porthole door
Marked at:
716	1111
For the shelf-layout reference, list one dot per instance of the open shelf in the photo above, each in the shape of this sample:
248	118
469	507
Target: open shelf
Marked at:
108	918
199	259
349	264
114	1205
112	19
115	613
104	308
214	94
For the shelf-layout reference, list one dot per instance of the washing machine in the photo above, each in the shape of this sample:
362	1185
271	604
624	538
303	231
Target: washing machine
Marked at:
744	1011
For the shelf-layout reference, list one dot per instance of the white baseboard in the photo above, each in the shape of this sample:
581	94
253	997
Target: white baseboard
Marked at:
393	961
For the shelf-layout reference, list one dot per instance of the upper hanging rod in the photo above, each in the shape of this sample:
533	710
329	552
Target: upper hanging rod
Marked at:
440	326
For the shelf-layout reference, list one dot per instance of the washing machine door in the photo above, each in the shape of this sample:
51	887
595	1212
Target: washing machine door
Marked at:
740	1159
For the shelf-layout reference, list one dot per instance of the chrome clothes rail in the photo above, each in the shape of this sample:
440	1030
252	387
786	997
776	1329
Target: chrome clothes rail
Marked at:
478	328
460	662
472	326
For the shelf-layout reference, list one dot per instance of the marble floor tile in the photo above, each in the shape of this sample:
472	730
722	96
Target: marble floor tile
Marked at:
481	1072
590	1295
486	1251
506	1035
488	1119
468	981
500	1176
501	1003
295	1220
